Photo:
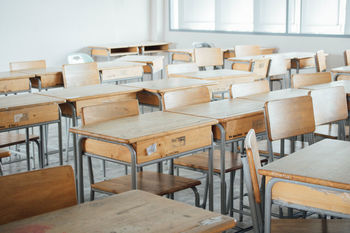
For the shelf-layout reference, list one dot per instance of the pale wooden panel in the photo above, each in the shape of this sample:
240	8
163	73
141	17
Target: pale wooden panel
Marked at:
242	66
277	95
343	77
185	97
310	225
109	111
347	57
261	67
24	65
303	63
157	62
130	210
36	192
181	68
249	88
289	117
182	57
330	105
303	80
247	50
208	56
321	65
83	74
121	73
16	85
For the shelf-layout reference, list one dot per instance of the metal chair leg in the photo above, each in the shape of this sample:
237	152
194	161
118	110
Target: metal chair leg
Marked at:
68	123
196	196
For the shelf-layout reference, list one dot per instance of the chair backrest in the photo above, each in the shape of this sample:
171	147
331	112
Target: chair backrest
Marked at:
249	88
261	67
25	65
329	104
304	80
36	192
83	74
181	68
186	97
203	45
343	77
109	111
77	58
289	117
247	50
278	65
347	57
208	57
320	61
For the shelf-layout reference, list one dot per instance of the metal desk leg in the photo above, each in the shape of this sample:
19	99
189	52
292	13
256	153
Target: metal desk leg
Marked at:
41	151
222	168
211	180
79	172
27	149
298	66
74	124
59	124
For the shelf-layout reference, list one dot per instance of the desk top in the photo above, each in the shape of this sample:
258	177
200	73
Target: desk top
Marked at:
133	211
289	55
13	102
42	71
344	83
190	50
325	163
132	44
8	75
140	58
215	74
109	65
89	92
342	69
223	110
275	95
143	126
170	84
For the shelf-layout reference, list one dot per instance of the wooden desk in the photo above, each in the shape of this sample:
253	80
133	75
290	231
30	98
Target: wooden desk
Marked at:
315	179
224	78
30	110
122	49
14	82
133	211
236	117
153	63
275	95
153	91
78	97
45	78
343	70
114	71
187	54
150	138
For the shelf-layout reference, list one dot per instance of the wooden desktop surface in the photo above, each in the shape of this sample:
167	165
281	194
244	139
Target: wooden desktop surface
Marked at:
140	58
343	83
42	71
109	65
275	95
342	69
133	211
142	127
216	74
8	75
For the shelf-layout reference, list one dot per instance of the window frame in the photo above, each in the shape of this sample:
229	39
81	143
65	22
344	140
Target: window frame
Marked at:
346	30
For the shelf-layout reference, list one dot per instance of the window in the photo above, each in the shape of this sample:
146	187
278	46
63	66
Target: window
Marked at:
329	17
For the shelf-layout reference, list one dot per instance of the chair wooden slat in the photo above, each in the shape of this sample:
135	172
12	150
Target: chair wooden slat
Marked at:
25	65
83	74
303	80
250	88
185	97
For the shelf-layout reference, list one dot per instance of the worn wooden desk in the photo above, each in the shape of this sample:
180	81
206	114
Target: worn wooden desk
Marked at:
187	54
78	97
153	91
31	110
150	138
133	211
224	78
114	71
314	179
14	82
45	78
275	95
343	70
236	117
153	63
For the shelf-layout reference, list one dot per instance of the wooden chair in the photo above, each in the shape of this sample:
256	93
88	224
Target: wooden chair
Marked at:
330	111
261	67
251	88
287	119
304	80
278	70
25	65
196	95
252	179
347	57
181	68
82	74
154	182
320	61
247	50
3	154
36	192
205	57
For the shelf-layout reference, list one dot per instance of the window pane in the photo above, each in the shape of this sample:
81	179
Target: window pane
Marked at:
197	14
270	16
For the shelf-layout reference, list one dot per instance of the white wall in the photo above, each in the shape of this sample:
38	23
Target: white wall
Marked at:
333	46
51	29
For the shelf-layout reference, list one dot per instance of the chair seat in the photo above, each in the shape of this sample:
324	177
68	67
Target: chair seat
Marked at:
276	147
4	153
329	131
10	139
153	182
310	225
